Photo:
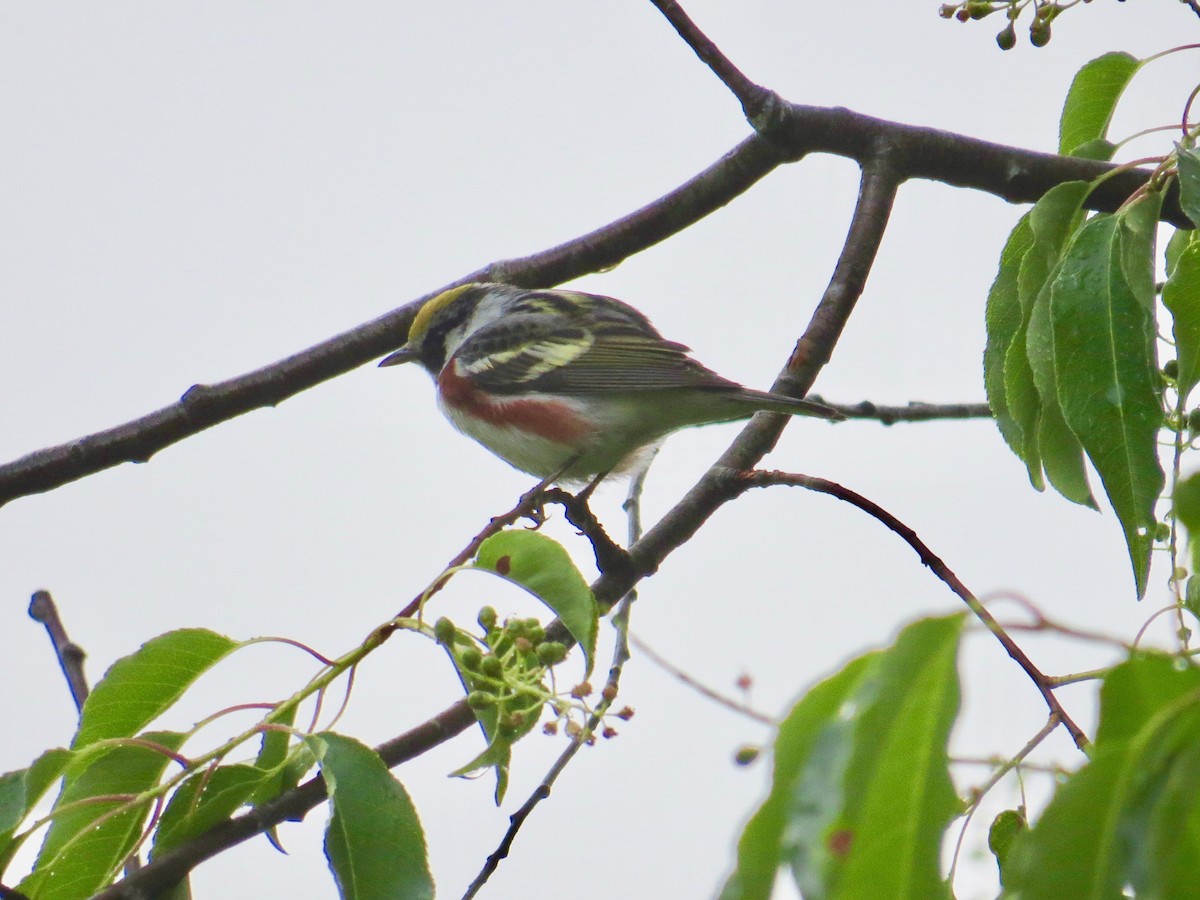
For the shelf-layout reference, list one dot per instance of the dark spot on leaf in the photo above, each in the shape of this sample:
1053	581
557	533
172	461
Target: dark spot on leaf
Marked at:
503	565
840	842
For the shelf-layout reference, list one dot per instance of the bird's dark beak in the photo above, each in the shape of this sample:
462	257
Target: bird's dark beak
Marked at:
404	355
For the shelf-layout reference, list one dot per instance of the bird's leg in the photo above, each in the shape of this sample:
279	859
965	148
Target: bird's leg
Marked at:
584	495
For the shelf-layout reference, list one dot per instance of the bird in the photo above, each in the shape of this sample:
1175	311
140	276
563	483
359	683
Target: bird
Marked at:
566	385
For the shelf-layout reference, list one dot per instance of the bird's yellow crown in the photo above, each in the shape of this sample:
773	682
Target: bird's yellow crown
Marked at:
425	314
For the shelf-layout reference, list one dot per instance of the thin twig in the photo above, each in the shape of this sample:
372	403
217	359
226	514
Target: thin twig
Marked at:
740	481
70	655
753	97
528	505
700	688
916	411
978	794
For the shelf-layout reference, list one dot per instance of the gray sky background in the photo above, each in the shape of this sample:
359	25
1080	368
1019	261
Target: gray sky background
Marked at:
192	190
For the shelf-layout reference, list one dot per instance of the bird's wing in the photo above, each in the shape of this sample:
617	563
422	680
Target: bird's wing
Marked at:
542	353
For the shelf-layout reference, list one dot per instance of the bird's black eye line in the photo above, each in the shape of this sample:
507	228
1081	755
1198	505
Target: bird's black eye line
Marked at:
433	344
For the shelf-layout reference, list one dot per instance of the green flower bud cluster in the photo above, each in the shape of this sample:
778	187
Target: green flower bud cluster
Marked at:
504	674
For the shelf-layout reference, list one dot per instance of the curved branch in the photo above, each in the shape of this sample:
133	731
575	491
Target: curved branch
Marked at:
742	481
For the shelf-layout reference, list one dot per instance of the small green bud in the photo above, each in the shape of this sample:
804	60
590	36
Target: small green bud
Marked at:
1007	38
1193	419
470	658
487	618
1039	32
551	653
515	628
1171	368
746	755
481	700
491	666
536	633
946	11
444	631
523	645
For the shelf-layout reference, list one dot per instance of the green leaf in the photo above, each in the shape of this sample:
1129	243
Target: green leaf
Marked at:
1134	692
1004	322
1185	505
1165	820
20	791
900	762
1108	380
87	844
202	801
760	848
1070	851
1128	817
1006	828
1053	219
543	567
139	687
283	767
1181	295
1100	150
1024	403
374	842
1189	183
859	747
1092	98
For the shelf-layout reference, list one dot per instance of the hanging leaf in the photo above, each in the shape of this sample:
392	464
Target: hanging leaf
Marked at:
1004	321
1053	219
374	840
1181	295
1107	374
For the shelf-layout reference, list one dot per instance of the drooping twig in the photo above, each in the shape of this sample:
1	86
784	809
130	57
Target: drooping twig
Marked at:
741	481
70	655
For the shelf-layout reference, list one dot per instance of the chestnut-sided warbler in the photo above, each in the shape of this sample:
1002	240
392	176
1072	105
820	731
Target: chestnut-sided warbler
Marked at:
568	384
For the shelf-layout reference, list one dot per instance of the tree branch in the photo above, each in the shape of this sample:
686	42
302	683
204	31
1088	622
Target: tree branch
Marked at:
789	133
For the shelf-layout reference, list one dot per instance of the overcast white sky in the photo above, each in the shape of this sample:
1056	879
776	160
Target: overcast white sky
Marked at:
192	190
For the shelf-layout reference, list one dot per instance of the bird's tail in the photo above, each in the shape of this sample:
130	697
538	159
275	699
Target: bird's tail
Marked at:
779	403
